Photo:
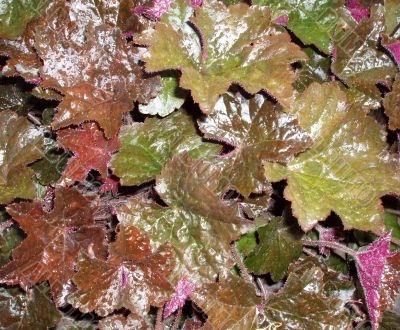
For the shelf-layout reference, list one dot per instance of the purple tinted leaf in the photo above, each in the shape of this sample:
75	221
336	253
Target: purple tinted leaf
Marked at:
357	10
282	20
370	266
155	11
394	49
182	290
330	235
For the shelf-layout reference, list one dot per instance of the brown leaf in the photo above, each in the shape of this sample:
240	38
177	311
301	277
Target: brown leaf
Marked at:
93	65
391	103
92	151
54	240
133	277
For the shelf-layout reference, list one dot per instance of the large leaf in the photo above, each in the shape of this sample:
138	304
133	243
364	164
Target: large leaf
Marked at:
91	151
133	276
54	240
146	147
303	304
339	172
358	61
279	246
234	44
258	132
20	145
15	14
311	21
198	224
101	90
229	304
31	310
119	322
14	98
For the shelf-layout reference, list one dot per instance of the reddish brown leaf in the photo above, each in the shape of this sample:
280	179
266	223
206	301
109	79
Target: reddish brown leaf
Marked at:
92	151
390	283
54	240
133	277
92	64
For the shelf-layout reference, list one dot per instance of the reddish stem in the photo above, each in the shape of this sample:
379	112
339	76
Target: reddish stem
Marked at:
332	245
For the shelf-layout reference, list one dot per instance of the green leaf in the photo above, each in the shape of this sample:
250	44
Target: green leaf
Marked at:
258	132
171	97
359	61
392	15
49	169
315	69
31	310
279	246
15	14
234	44
198	224
303	304
230	304
311	21
10	237
20	145
339	173
14	98
391	103
146	147
392	223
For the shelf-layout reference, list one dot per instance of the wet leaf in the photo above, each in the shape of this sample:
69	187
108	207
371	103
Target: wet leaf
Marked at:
339	172
171	97
68	323
9	239
119	322
198	224
357	10
210	61
392	15
389	289
258	132
91	151
359	62
27	310
391	103
14	98
303	304
182	291
229	304
279	246
146	147
311	21
94	90
14	15
133	276
20	145
54	240
371	263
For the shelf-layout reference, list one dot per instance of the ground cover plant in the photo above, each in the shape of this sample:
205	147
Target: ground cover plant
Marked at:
189	164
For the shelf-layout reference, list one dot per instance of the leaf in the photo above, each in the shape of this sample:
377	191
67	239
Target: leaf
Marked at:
9	239
359	63
171	97
54	240
182	291
258	133
21	52
146	147
31	310
20	145
339	172
389	288
390	321
315	69
392	224
14	15
392	15
119	322
91	151
311	21
370	267
279	246
357	10
302	304
198	224
48	169
391	103
94	90
230	304
133	276
14	98
68	323
155	11
235	44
